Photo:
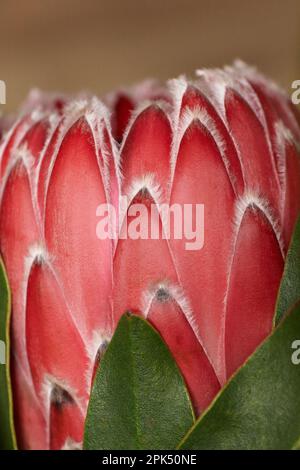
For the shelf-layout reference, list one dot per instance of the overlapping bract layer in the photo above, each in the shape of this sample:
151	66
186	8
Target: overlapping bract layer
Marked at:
227	140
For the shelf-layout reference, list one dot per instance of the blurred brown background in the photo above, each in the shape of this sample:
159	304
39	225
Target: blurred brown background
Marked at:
98	45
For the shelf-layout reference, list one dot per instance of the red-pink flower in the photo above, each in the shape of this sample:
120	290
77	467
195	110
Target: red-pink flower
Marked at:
226	140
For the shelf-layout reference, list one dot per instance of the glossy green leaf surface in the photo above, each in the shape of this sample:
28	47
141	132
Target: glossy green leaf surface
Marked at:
289	291
7	433
139	399
260	407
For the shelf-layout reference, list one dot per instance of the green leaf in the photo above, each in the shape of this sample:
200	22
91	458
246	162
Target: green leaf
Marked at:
260	406
7	432
139	399
296	445
289	291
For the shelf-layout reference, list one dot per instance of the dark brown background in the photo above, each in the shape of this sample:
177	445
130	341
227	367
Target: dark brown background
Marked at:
73	45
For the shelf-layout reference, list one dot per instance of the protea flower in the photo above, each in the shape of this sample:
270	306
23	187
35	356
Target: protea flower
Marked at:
226	140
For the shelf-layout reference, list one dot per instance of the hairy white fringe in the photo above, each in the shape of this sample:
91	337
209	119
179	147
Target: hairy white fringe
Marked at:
97	341
252	73
177	88
74	110
6	137
213	83
230	77
146	183
38	114
25	126
98	117
19	155
53	120
25	372
248	93
24	155
38	254
207	121
243	87
164	107
26	122
135	114
242	204
233	77
176	294
48	384
213	87
220	80
201	115
70	444
252	200
282	136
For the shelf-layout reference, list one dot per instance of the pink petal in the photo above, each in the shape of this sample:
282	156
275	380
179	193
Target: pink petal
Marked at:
66	420
55	348
29	420
147	149
193	98
257	163
44	171
121	115
175	328
82	260
15	137
201	178
35	138
19	232
138	263
254	279
272	119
